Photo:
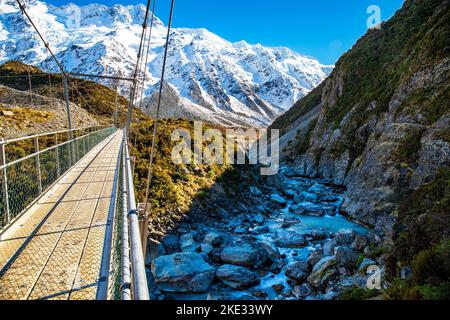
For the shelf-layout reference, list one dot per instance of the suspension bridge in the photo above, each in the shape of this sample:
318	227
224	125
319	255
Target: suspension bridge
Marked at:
69	224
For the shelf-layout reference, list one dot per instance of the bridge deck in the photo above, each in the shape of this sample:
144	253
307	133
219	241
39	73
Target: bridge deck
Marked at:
55	250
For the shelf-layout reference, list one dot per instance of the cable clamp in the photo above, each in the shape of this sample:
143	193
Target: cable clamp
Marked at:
126	285
132	212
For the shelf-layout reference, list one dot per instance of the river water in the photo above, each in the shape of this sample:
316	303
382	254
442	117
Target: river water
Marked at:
284	219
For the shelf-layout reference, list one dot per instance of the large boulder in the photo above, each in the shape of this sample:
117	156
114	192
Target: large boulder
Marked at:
345	236
259	219
275	181
313	209
329	246
182	272
206	248
301	291
359	243
214	238
289	222
315	257
310	209
309	197
297	209
241	255
323	272
276	198
268	250
298	271
290	239
171	243
237	277
188	243
346	257
289	193
259	230
319	235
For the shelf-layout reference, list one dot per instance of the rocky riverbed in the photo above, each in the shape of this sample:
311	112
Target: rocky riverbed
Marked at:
283	240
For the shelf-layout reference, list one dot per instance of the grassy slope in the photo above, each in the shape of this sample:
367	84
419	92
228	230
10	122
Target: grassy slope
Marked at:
173	186
91	96
176	189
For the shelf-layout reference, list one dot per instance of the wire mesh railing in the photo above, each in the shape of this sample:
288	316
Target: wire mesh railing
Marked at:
115	275
23	180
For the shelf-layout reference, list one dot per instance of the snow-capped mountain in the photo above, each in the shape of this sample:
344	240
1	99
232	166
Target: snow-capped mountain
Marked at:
208	77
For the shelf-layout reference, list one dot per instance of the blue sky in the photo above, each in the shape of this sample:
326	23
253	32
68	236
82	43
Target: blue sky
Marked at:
324	29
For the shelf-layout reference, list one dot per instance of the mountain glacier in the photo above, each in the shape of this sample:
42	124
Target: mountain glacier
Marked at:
209	78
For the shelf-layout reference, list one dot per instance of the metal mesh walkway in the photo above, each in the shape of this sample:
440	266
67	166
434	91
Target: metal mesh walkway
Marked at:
55	250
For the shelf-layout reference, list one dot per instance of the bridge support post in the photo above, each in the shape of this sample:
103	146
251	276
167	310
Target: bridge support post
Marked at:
116	122
58	165
84	142
143	226
4	177
38	165
69	119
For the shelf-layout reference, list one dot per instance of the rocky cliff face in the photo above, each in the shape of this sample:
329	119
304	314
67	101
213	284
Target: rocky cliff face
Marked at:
382	119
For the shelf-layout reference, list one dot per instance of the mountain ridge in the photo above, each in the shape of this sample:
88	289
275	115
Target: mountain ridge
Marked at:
214	78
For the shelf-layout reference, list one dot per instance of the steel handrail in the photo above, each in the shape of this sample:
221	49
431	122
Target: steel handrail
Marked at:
48	149
125	287
139	277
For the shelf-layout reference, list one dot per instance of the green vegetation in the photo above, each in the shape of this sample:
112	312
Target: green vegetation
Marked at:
408	150
22	115
423	242
377	251
359	294
431	102
16	67
381	60
174	188
417	37
303	142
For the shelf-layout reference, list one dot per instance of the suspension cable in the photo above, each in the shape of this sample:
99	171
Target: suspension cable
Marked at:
155	125
136	72
47	45
138	84
144	76
60	66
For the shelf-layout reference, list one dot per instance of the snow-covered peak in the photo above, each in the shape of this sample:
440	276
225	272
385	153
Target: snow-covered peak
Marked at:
240	82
